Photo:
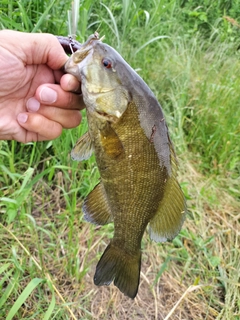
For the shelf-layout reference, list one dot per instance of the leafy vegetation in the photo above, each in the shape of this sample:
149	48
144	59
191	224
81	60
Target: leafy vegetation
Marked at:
188	53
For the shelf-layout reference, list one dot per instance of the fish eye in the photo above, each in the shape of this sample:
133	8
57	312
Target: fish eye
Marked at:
107	63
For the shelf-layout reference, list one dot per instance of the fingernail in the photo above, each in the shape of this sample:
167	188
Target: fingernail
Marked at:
33	104
48	95
22	117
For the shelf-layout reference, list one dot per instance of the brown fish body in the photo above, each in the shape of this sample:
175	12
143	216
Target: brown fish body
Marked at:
135	158
130	178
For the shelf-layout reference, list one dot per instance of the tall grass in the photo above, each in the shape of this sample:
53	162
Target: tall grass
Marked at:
189	58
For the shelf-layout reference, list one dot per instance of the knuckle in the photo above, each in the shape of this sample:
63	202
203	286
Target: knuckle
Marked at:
73	120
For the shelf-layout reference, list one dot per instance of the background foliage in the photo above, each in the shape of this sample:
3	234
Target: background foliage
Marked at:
188	53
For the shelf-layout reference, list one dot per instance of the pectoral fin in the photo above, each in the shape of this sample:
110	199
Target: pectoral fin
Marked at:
96	208
83	148
110	142
168	221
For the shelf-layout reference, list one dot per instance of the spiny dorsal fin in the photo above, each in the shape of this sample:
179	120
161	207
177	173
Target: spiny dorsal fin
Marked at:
96	208
83	148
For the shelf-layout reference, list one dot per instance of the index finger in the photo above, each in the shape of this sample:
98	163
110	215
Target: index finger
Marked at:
54	95
70	83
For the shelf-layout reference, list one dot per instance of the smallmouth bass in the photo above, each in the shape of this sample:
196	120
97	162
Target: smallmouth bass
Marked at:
136	161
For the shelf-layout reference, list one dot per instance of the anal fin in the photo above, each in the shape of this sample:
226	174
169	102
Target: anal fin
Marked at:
96	208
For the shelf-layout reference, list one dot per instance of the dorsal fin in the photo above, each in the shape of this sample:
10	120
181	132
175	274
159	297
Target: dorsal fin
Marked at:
170	216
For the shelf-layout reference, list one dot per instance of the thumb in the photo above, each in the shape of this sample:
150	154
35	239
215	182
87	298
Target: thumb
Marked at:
34	48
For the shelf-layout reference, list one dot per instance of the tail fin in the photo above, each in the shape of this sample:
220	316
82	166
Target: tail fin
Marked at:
120	266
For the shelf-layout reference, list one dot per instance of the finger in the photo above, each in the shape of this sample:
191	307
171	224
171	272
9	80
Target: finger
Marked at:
38	127
67	118
70	83
53	94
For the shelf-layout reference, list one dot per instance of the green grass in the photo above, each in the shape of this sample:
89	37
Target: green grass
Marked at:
189	57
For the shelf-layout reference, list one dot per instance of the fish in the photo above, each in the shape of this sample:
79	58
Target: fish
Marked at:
138	185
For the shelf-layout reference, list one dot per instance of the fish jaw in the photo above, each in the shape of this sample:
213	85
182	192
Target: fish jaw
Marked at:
77	62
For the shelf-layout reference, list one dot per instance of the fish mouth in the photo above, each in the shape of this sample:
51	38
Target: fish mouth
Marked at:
76	63
80	61
80	58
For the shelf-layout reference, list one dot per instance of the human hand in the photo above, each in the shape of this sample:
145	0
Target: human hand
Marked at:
36	99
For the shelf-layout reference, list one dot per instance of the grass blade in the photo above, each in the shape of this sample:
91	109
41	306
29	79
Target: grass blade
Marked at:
75	17
50	308
43	17
115	28
23	297
8	290
25	18
27	176
4	267
150	41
